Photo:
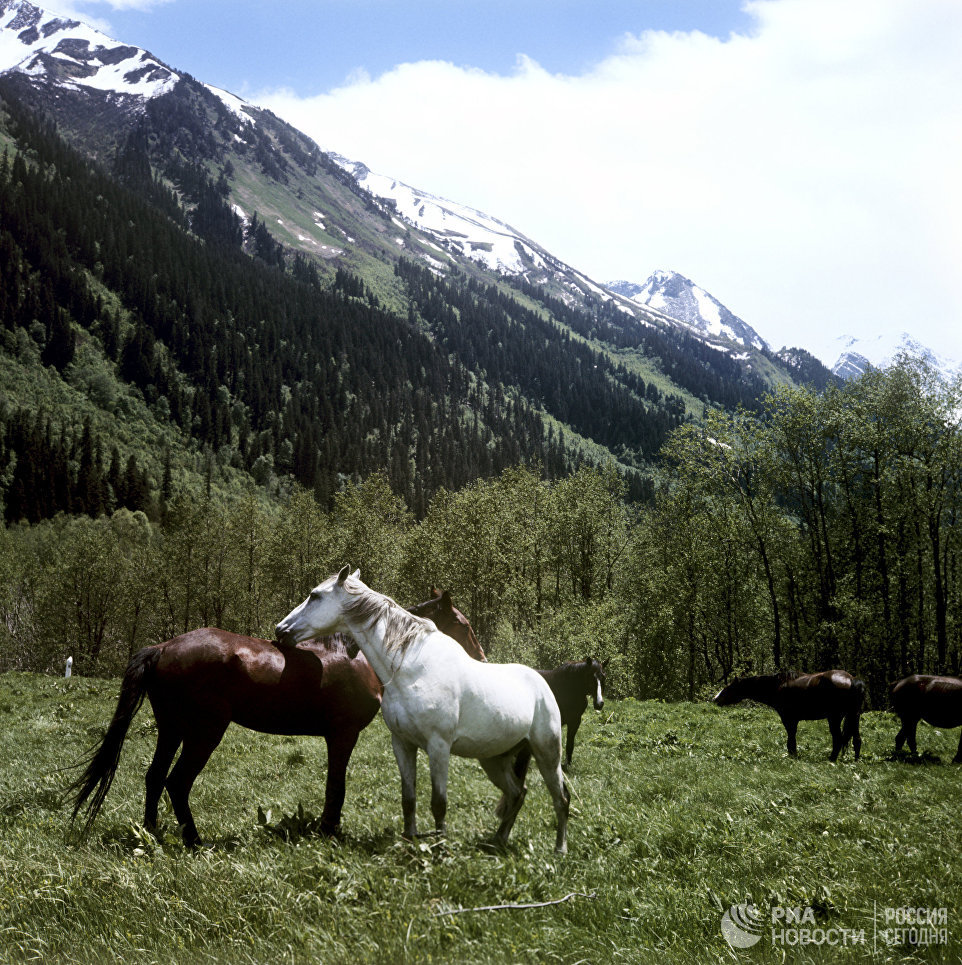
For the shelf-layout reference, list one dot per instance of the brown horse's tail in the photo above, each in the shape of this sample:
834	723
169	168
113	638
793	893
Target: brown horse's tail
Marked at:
850	730
102	761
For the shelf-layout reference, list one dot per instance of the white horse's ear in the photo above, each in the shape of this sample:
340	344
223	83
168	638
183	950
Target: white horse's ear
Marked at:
342	576
356	575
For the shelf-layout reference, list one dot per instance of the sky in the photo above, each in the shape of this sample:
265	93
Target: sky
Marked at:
799	159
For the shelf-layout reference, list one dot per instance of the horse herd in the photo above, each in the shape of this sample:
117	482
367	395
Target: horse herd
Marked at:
426	671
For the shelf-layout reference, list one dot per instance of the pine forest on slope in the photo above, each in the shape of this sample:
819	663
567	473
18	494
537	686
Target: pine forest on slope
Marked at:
170	277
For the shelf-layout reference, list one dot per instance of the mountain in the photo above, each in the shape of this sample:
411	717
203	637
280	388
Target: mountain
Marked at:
68	53
465	232
175	252
855	356
680	298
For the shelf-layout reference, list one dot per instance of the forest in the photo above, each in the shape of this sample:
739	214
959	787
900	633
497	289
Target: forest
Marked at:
261	364
822	531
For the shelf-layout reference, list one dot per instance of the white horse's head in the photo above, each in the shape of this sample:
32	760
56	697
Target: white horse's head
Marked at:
320	614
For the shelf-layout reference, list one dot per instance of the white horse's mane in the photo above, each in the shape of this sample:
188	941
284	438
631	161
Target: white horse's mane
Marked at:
401	628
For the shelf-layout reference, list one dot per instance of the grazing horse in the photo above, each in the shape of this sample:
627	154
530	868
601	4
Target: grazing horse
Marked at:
832	694
199	682
936	700
436	698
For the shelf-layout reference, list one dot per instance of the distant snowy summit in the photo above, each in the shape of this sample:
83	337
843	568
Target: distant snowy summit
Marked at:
72	55
680	298
855	356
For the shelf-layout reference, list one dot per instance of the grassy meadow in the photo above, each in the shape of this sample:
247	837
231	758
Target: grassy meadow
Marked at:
679	811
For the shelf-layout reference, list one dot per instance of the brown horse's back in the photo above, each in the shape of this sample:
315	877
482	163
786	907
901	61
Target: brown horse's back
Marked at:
814	696
311	689
935	699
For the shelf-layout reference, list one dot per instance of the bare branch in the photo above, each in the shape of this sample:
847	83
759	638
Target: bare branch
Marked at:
535	904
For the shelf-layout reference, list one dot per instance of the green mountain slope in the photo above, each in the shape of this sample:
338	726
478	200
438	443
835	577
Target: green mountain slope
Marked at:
223	301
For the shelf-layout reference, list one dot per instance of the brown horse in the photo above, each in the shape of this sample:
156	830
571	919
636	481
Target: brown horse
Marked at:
450	620
572	684
936	700
199	682
832	694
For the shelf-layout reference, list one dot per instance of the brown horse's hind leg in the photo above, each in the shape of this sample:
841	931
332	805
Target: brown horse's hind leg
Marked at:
791	729
339	750
958	754
502	772
907	732
852	731
570	741
198	746
168	740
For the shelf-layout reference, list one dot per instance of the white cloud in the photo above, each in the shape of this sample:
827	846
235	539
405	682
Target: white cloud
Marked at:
805	173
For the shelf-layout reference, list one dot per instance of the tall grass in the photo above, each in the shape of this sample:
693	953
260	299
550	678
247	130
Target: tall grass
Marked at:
679	811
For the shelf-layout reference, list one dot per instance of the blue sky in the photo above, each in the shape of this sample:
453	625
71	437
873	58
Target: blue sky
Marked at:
311	46
798	158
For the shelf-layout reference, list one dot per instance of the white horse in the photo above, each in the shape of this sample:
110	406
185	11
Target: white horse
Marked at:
439	699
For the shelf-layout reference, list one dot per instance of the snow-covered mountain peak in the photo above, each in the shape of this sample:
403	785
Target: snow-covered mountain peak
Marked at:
855	355
459	228
463	231
45	46
677	296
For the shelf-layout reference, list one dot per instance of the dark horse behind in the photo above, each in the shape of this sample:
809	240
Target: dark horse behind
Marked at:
572	684
834	695
199	682
936	700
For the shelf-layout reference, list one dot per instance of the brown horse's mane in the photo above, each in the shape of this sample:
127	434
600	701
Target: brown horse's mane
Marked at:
401	628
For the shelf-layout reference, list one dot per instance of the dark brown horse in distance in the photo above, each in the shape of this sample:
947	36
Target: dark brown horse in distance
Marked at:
936	700
572	684
834	695
199	682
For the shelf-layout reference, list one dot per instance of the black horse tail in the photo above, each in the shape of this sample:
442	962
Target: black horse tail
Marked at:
102	761
859	693
850	729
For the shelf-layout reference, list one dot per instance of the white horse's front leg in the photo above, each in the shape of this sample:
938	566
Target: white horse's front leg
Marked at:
407	761
439	754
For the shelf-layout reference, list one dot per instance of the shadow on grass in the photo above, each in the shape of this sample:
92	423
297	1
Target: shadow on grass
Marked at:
907	757
134	840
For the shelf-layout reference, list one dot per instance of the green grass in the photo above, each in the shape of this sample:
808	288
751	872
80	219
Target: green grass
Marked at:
679	811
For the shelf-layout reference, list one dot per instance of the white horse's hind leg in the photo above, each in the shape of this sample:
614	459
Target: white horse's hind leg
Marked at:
406	755
549	763
501	772
555	782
